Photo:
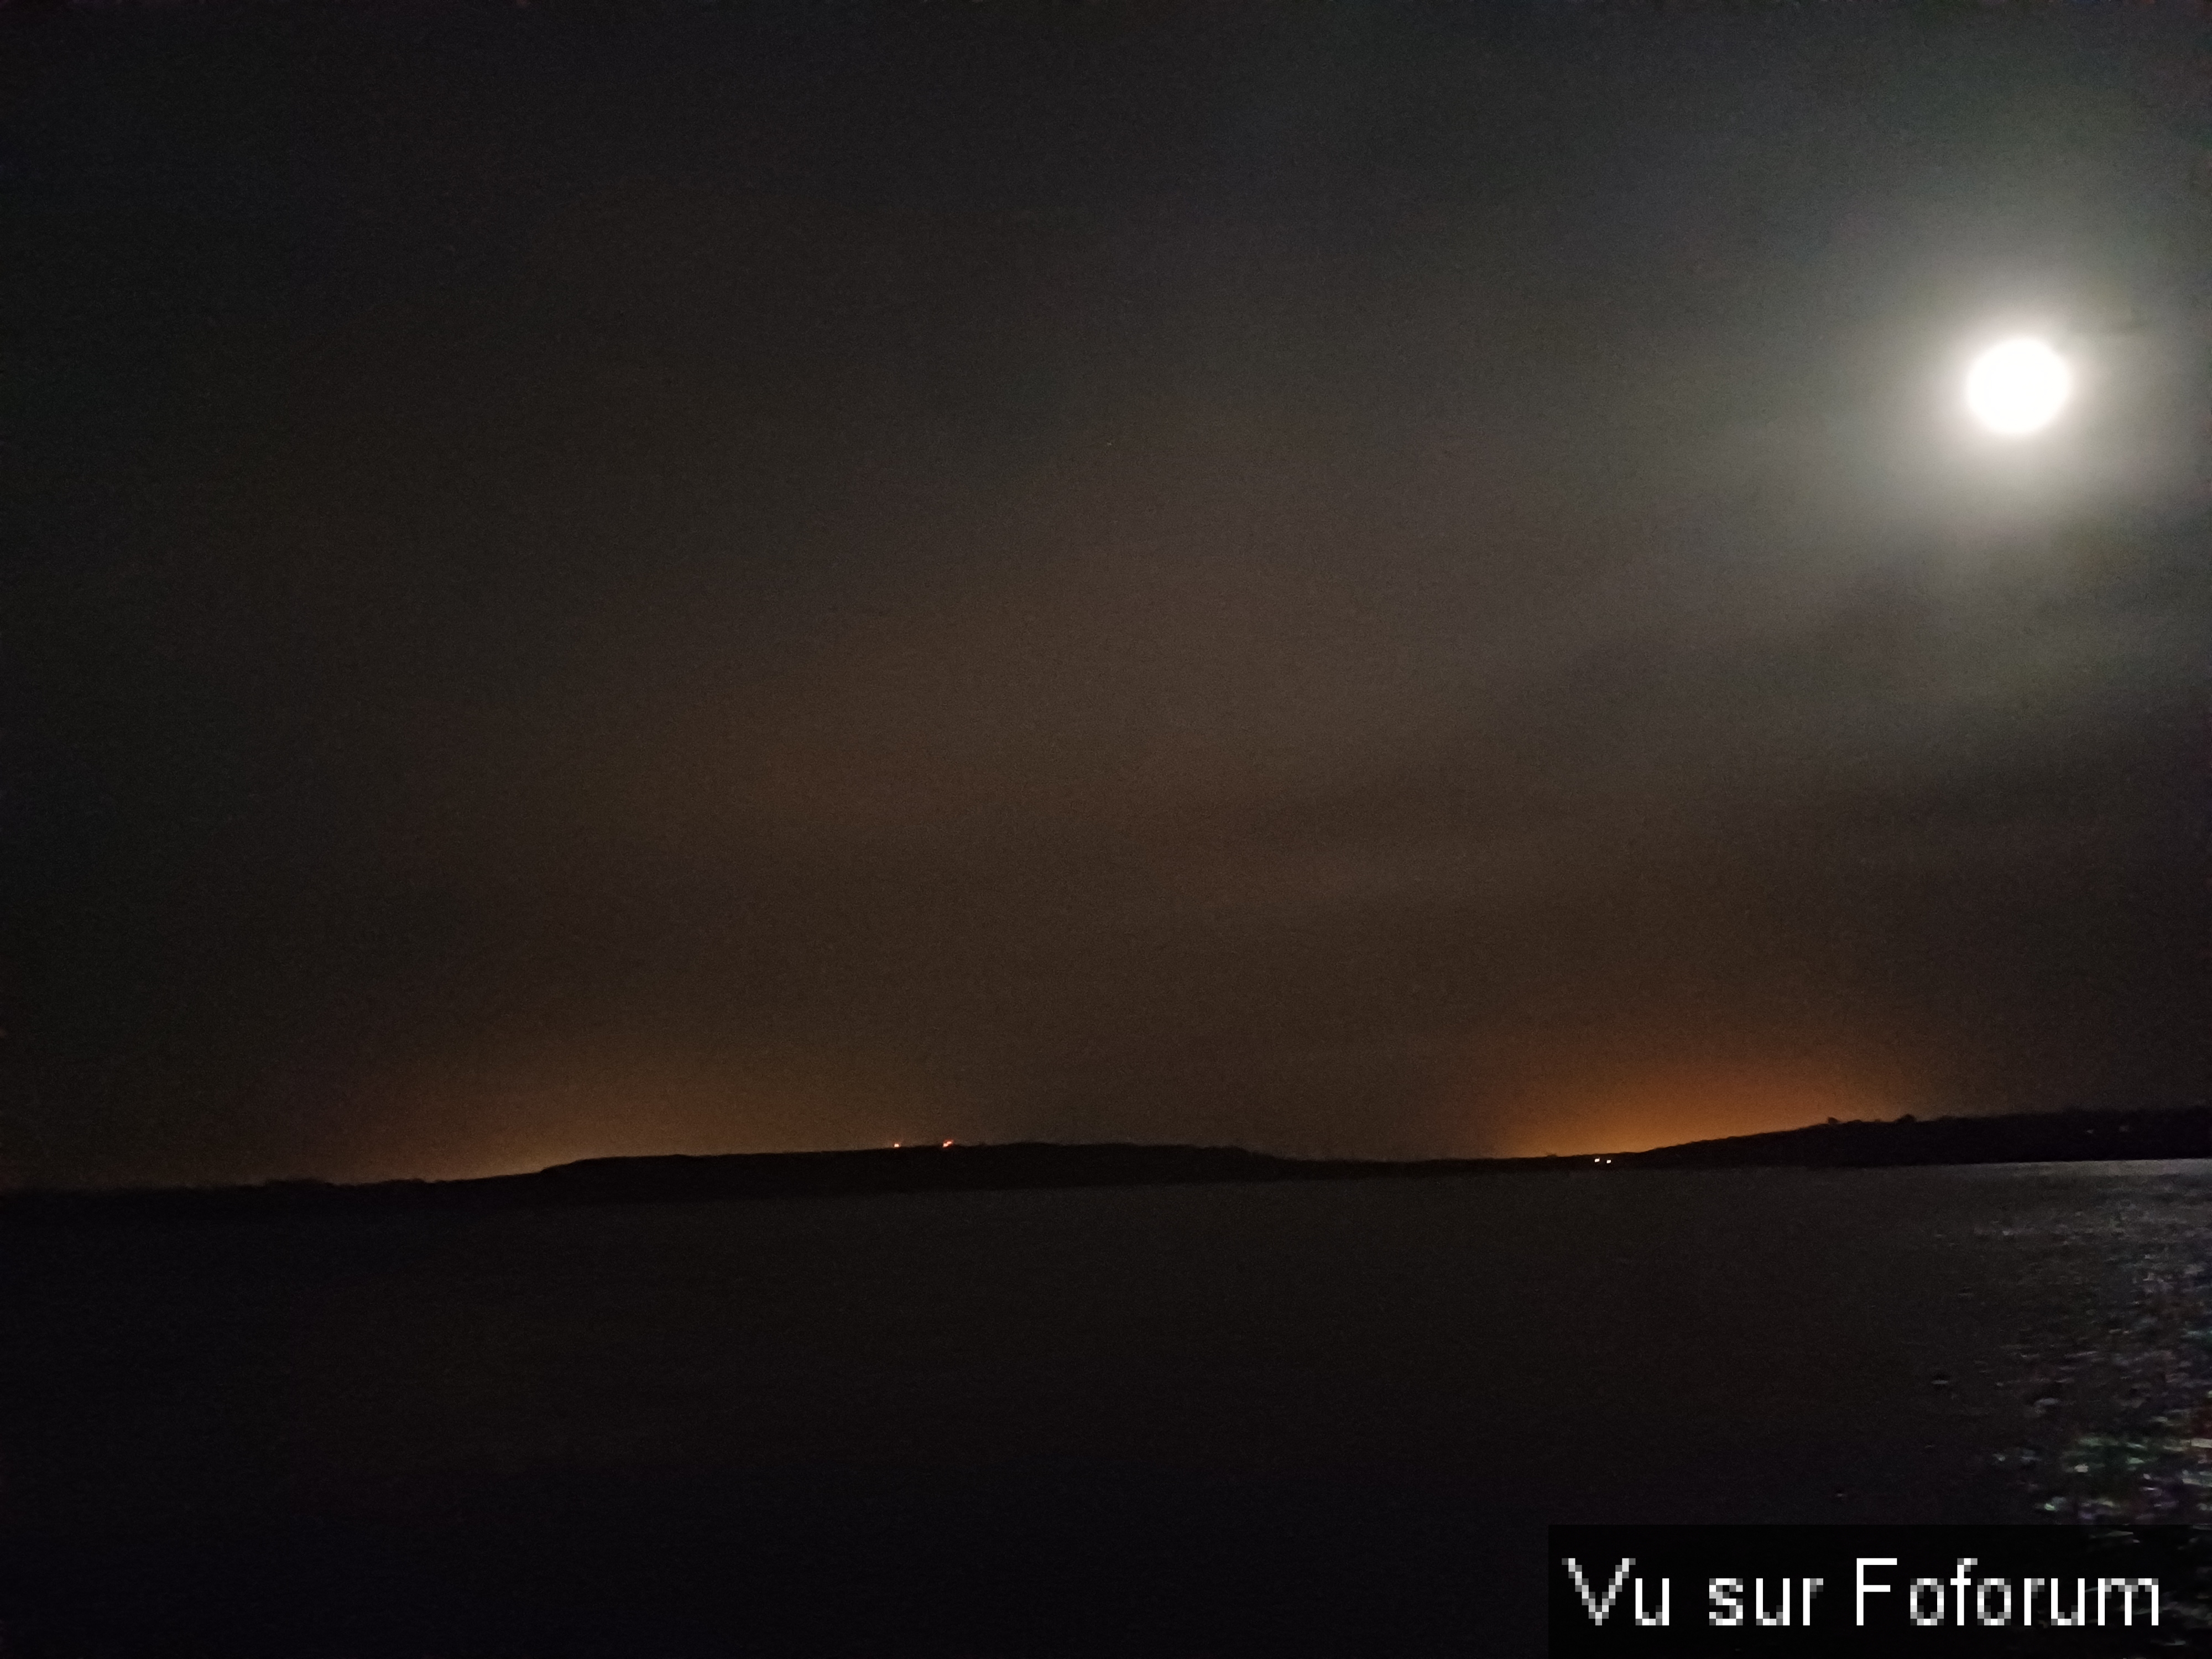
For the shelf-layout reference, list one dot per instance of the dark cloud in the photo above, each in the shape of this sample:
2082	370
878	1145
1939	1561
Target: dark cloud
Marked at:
1347	583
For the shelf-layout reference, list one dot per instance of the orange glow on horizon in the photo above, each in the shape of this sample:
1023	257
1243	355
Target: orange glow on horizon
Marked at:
1624	1107
519	1106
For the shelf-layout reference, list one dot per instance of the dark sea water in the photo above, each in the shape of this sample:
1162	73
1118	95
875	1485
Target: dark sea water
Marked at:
1310	1419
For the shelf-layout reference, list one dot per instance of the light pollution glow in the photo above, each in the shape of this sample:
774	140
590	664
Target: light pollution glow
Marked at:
529	1108
1623	1106
523	1107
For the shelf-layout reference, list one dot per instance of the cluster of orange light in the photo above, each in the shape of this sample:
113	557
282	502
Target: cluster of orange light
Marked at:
1631	1109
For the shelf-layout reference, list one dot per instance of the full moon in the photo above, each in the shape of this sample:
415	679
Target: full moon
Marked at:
2018	386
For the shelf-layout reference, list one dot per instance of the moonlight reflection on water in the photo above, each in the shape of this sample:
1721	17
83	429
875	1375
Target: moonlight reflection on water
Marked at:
1296	1396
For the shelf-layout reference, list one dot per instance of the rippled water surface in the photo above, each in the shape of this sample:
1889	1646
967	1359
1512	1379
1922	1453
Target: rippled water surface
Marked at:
1301	1417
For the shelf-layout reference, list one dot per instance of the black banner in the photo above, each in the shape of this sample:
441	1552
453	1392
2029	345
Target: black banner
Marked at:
1937	1591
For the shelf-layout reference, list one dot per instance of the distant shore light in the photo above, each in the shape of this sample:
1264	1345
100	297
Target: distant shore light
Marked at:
2018	386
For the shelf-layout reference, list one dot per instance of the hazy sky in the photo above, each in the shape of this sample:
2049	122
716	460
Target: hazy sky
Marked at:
1379	579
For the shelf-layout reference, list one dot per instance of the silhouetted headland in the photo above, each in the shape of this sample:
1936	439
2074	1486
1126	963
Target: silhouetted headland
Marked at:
2053	1137
2020	1138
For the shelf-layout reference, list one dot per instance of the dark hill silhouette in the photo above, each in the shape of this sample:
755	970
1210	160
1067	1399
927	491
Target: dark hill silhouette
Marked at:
2021	1138
2066	1137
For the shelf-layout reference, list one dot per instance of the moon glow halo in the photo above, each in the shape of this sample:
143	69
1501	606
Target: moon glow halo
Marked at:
2018	386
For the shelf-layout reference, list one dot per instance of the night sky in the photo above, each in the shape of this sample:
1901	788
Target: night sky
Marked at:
1392	579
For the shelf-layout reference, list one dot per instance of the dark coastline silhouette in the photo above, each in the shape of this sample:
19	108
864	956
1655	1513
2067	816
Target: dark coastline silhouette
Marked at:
2024	1138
